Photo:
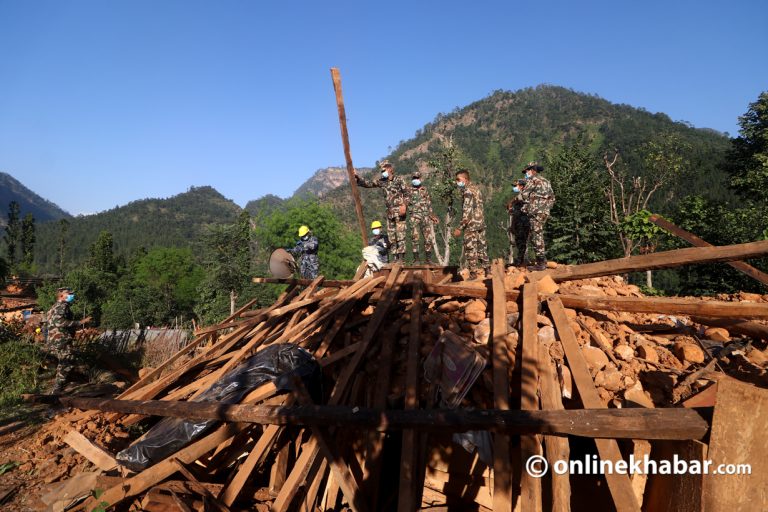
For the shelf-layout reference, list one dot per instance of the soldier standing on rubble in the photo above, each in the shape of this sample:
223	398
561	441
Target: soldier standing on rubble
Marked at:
538	198
306	248
519	227
61	336
395	200
422	219
473	225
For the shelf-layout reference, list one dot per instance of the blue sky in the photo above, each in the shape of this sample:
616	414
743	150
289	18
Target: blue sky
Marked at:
105	102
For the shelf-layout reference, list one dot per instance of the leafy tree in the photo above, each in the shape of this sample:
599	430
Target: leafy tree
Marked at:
102	253
28	239
339	251
748	157
227	258
579	226
12	232
446	196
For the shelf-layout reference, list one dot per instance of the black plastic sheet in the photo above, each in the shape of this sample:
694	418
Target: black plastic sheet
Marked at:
277	363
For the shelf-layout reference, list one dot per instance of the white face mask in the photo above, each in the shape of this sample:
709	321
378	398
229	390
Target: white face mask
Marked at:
516	190
384	175
529	174
416	183
460	184
376	231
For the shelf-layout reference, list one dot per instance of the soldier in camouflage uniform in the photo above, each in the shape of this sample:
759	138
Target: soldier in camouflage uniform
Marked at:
306	248
61	335
395	200
422	219
519	227
473	225
538	198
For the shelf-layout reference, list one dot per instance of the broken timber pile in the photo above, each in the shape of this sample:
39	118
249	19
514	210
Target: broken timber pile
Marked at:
583	368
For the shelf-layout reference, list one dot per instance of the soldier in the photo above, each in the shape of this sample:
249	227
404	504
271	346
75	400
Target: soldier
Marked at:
473	225
306	248
395	201
61	336
519	227
538	199
422	219
380	241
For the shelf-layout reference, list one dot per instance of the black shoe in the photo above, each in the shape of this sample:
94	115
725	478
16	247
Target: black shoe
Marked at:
416	259
541	264
428	258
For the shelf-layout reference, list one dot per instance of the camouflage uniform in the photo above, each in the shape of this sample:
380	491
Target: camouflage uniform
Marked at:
421	214
538	199
473	224
309	264
61	335
394	196
520	229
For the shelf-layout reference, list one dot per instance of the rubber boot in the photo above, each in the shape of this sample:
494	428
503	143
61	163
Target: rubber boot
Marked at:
428	258
541	264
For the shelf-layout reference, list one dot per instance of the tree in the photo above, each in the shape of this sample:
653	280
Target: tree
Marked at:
12	232
446	196
28	239
579	225
628	195
102	253
62	245
227	258
748	157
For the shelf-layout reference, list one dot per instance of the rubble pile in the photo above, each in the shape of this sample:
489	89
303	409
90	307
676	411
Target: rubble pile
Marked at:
422	392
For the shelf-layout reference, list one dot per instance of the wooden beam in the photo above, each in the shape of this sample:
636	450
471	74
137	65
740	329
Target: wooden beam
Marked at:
407	498
336	76
618	484
679	232
502	465
98	456
608	423
328	283
657	260
530	445
557	448
669	306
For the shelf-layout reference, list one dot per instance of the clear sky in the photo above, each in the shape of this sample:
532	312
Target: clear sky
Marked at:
105	102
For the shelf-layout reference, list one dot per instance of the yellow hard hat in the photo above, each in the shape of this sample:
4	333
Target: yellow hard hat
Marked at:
303	230
375	224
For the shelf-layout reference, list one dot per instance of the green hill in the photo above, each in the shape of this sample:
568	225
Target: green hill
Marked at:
497	135
177	221
29	202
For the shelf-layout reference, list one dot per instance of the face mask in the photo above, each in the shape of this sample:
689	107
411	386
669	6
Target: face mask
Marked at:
70	297
384	175
529	175
516	190
305	237
460	184
376	231
416	183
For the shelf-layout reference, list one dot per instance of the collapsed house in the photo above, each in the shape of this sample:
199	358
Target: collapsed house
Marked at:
410	391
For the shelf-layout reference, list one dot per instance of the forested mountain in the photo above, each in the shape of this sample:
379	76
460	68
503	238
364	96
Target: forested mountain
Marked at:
324	181
177	221
496	136
29	202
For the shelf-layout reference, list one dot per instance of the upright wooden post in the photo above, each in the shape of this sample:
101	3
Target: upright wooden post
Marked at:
348	155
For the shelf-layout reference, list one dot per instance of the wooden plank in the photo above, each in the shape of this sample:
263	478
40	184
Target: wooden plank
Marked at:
669	306
255	459
407	498
557	448
99	457
336	77
689	237
619	485
197	485
502	465
604	423
530	446
738	437
678	492
659	260
165	468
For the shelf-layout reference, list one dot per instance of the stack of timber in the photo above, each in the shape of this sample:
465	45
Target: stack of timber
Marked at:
579	366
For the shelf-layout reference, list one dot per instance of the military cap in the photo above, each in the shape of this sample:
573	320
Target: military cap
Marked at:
63	289
385	163
533	166
417	174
